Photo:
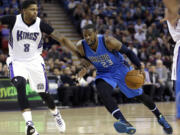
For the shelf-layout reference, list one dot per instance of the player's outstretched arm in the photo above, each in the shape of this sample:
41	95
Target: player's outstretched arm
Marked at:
172	6
171	11
65	41
84	62
77	50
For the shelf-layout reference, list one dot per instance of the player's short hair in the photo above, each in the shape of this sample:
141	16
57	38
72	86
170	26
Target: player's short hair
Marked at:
89	26
27	3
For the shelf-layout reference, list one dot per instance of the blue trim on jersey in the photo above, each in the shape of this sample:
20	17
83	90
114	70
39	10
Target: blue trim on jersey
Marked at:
177	86
45	75
11	70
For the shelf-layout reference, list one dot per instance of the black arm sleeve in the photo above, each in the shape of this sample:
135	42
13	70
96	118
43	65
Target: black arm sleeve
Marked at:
46	28
131	55
9	20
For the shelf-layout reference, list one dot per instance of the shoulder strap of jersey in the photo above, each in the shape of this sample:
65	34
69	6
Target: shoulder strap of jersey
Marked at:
104	43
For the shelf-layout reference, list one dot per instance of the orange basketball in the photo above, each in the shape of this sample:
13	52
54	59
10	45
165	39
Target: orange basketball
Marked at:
134	79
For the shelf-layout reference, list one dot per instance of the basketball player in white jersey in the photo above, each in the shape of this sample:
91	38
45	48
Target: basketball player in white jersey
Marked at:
173	20
25	62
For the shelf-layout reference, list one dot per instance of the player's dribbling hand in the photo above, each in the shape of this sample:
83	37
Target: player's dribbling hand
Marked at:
141	71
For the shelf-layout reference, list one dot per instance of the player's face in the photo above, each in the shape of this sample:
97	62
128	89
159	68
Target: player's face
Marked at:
31	12
90	36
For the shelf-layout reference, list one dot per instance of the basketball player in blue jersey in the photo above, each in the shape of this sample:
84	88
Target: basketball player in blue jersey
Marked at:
105	53
26	63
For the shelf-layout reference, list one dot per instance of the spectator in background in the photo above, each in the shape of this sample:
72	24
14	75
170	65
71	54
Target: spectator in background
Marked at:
5	70
140	36
46	43
65	91
162	72
153	48
6	11
100	5
5	37
117	34
139	25
158	89
1	69
85	21
72	5
143	54
53	53
110	24
66	56
149	20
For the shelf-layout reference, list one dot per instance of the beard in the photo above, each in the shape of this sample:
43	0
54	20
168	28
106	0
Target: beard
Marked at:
92	43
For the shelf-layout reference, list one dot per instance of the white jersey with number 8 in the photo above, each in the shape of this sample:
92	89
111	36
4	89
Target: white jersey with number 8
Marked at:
25	41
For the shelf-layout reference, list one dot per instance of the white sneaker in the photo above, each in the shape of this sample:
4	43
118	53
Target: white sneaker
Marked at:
30	129
60	122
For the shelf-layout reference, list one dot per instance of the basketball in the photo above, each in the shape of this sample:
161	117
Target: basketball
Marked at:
134	79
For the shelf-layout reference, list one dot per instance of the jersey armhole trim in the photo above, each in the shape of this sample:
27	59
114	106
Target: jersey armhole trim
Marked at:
83	45
104	44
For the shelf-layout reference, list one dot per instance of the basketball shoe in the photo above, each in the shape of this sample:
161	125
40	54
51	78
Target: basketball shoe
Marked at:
30	129
60	122
122	126
166	126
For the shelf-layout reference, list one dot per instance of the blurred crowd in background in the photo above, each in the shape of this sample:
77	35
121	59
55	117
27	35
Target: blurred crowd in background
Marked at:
135	23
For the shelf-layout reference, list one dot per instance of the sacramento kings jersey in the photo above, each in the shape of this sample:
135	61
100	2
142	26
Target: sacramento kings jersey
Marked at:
25	41
174	31
103	59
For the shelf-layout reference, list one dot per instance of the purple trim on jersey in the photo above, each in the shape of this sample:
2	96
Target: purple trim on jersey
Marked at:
11	70
46	89
40	43
11	40
177	61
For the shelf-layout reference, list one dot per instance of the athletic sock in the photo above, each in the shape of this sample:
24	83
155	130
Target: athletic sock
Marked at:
156	112
27	116
118	115
55	111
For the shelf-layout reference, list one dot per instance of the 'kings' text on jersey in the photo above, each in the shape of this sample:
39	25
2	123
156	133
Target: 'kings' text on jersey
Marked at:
27	35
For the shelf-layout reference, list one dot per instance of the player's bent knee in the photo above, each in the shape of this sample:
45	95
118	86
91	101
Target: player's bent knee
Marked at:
48	100
18	82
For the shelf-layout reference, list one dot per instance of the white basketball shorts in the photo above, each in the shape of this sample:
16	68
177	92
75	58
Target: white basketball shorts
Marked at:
33	70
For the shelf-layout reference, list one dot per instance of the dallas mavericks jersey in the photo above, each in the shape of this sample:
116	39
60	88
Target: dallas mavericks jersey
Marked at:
174	31
103	59
111	67
25	41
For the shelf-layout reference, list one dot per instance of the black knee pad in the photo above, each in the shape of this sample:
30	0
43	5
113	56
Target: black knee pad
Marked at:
48	100
18	81
20	84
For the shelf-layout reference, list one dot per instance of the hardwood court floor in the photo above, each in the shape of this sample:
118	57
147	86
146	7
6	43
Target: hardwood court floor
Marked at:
91	121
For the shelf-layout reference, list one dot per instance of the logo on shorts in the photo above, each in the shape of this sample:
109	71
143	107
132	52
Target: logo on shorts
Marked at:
40	86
